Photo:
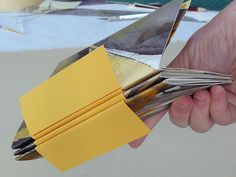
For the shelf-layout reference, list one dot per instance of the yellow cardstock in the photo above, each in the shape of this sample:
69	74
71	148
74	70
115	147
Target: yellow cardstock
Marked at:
80	113
113	127
79	85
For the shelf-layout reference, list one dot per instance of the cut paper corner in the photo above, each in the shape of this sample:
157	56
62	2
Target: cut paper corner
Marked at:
172	50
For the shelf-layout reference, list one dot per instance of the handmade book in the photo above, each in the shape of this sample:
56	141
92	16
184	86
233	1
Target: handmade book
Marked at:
96	100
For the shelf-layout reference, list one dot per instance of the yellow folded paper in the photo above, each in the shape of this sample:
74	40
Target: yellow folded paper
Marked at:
83	107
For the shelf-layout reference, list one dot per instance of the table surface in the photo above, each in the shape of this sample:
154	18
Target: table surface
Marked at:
48	31
168	151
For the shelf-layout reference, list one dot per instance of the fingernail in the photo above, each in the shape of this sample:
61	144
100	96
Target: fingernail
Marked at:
199	97
215	92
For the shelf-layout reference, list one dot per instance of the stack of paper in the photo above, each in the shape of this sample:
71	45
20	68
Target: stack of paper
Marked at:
94	100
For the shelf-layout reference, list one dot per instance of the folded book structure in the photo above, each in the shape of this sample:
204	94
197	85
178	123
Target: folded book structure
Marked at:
95	100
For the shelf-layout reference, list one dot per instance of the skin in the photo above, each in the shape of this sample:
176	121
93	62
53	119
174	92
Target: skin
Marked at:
212	48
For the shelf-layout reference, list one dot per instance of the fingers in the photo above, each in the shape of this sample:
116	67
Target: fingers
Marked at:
204	110
220	108
180	111
151	123
136	143
200	112
193	112
200	120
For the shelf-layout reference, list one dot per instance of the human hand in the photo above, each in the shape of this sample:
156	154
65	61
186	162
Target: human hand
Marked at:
212	48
